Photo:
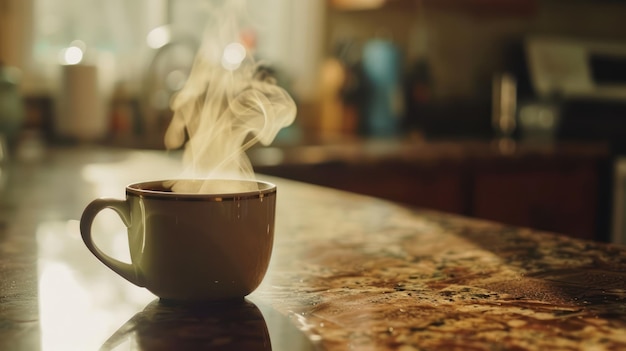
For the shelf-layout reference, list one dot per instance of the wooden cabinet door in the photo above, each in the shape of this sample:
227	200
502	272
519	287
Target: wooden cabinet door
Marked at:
433	188
560	200
428	187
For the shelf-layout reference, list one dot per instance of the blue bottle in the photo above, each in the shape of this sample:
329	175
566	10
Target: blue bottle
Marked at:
382	105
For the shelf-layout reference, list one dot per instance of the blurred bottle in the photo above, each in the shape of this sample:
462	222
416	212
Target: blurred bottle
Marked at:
418	93
383	101
539	120
352	89
419	80
332	79
504	109
340	91
11	109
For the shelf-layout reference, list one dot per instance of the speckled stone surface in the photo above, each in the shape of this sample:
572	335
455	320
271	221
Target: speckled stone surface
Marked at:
365	274
350	272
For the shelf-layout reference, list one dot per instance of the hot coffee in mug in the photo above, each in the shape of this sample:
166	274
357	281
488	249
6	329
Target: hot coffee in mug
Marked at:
192	240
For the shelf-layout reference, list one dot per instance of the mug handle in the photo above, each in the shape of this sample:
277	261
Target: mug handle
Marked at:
121	207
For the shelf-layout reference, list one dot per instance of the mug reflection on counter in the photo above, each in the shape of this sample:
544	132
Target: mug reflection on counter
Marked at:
237	325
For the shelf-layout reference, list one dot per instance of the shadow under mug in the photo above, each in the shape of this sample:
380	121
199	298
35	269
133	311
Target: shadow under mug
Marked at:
192	246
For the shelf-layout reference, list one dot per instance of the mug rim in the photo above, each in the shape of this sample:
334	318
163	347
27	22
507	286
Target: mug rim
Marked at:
139	189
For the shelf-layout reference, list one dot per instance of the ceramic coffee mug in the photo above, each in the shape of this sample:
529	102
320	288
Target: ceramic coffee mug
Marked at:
189	246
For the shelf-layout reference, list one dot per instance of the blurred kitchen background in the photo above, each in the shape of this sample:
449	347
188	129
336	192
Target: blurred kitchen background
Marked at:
509	110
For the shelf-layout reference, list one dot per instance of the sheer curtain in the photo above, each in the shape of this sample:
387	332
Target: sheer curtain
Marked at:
114	32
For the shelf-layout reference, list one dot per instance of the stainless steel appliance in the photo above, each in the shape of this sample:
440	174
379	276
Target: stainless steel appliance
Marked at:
577	68
584	82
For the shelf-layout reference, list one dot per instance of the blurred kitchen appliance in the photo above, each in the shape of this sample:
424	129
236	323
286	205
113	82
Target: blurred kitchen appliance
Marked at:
586	81
539	120
576	68
581	85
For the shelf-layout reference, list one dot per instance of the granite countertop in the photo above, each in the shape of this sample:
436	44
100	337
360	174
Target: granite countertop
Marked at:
379	274
348	272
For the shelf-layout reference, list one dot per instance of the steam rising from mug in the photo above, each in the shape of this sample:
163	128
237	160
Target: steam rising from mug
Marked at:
228	104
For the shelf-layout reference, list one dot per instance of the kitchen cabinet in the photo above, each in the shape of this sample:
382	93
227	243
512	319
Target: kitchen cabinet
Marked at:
436	188
558	197
558	188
